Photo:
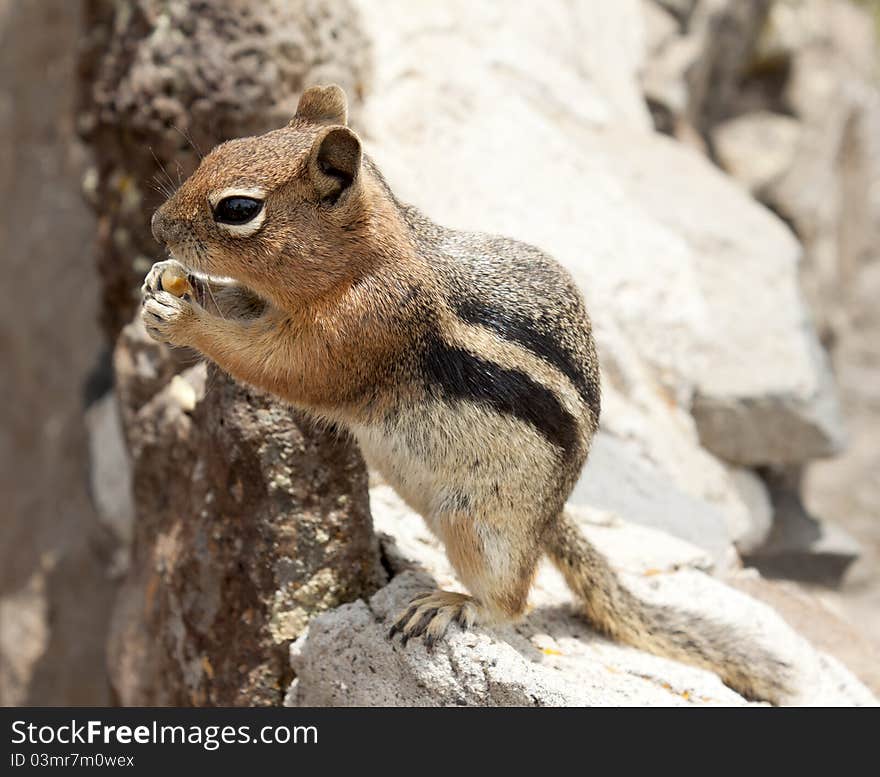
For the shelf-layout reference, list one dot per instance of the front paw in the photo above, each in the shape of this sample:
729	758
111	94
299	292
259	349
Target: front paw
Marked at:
169	319
153	282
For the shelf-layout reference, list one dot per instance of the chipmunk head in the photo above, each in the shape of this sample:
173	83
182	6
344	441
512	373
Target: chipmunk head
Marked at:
278	211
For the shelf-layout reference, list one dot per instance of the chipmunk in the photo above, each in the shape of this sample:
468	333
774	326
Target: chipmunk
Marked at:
463	364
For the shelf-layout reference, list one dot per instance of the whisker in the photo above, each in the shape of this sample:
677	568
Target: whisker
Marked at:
216	304
162	169
189	140
158	188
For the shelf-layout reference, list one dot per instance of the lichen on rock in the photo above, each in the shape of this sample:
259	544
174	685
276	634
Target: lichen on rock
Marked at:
225	568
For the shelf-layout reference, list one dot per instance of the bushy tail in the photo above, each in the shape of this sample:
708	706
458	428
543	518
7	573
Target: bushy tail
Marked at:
676	634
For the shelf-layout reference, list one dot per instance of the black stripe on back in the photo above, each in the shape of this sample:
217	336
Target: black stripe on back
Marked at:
459	375
522	331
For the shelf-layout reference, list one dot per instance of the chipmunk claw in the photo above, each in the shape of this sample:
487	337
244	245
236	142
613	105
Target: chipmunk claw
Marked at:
429	616
167	318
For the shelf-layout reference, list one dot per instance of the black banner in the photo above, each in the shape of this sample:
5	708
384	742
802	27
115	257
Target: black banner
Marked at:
144	741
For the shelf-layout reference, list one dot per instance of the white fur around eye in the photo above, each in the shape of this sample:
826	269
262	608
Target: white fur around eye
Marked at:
249	228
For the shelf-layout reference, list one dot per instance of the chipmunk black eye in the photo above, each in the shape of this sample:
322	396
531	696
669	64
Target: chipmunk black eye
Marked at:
237	210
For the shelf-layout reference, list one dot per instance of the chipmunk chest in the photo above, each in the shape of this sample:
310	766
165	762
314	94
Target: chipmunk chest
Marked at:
405	458
443	458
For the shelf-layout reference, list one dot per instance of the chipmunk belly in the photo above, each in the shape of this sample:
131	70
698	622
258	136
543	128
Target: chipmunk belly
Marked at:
460	458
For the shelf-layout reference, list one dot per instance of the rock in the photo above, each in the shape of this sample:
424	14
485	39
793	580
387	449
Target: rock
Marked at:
408	544
813	63
346	659
772	430
661	26
620	479
754	531
829	192
250	519
656	451
24	637
142	368
763	392
163	82
110	473
680	9
668	59
728	30
845	491
757	148
551	658
801	547
842	29
669	259
810	616
692	79
49	529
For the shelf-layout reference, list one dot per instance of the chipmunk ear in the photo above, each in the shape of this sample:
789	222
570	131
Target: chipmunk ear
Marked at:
334	162
323	105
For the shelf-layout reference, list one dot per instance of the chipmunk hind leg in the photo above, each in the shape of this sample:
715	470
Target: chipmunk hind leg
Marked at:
497	569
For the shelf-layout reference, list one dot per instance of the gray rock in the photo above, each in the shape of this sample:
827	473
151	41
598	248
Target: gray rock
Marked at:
694	78
619	479
681	9
661	443
800	546
110	470
24	637
49	530
809	615
757	148
164	82
346	659
830	191
763	391
668	258
250	519
552	658
767	429
753	533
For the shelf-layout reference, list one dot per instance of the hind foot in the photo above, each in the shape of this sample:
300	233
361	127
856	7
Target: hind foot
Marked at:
430	614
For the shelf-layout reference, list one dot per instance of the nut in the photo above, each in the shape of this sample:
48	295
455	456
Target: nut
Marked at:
174	281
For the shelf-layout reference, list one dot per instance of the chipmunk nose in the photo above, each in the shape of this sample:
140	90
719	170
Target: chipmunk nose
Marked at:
165	229
158	226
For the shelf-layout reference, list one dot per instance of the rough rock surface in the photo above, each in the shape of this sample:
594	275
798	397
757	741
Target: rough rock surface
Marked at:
793	112
800	546
249	520
820	622
664	261
846	490
552	658
757	148
164	80
696	69
110	470
801	130
54	593
462	88
829	193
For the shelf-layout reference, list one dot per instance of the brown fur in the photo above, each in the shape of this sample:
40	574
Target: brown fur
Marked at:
463	364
